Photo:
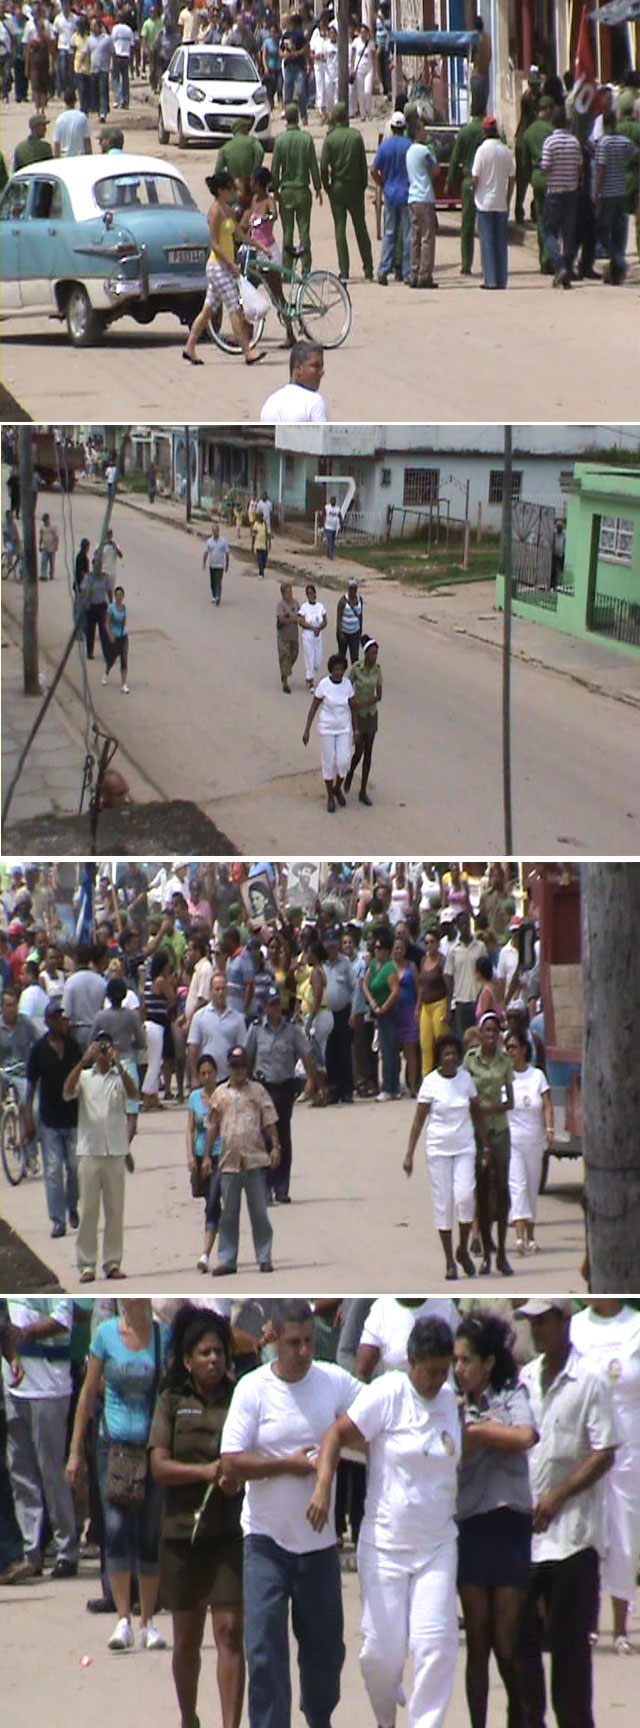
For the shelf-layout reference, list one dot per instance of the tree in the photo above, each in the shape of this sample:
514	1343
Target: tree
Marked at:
611	1074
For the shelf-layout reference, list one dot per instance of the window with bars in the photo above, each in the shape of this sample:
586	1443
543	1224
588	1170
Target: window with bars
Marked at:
496	485
616	538
421	486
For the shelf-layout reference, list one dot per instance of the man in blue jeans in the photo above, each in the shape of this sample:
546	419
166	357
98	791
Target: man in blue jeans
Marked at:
277	1417
52	1058
294	54
389	169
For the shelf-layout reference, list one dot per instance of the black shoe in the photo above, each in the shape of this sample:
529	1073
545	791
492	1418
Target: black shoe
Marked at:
347	782
223	1271
464	1260
341	798
266	1266
363	798
502	1265
283	1199
65	1569
58	1230
100	1605
484	1269
382	280
128	1162
331	804
74	1220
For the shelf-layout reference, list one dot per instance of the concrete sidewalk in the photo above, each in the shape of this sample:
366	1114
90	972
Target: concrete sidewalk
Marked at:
463	609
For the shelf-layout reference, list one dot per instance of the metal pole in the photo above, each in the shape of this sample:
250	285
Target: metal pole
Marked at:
187	457
506	650
343	50
31	683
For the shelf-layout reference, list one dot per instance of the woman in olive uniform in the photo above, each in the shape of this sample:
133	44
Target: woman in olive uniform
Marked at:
366	677
201	1544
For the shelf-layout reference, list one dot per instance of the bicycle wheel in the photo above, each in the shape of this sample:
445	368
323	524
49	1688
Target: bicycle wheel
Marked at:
11	1147
220	331
323	308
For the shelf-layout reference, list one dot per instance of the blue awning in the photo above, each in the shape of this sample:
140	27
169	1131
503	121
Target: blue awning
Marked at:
423	42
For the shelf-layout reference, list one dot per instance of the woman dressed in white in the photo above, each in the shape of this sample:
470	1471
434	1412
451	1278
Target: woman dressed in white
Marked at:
319	49
608	1331
312	617
531	1129
407	1550
362	59
333	702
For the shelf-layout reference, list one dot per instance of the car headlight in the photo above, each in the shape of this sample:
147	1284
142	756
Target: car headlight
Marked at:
195	94
259	95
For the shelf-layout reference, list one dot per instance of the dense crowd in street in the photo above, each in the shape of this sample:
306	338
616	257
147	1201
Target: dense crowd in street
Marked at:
233	992
214	1460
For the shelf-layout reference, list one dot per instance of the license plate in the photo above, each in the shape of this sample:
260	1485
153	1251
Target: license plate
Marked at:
186	255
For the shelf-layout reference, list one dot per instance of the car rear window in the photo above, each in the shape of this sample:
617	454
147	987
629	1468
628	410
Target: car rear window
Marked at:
229	68
142	191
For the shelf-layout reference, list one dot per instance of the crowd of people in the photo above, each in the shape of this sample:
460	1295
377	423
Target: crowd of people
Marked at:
390	984
214	1460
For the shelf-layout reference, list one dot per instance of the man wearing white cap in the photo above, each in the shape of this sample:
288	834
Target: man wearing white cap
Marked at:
389	170
577	1437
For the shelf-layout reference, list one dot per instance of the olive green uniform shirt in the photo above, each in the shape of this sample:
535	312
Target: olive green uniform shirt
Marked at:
190	1430
240	156
490	1077
367	684
295	164
532	143
469	139
344	159
31	150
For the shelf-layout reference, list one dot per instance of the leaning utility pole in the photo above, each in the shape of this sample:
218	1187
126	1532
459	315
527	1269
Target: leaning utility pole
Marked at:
187	470
507	543
30	670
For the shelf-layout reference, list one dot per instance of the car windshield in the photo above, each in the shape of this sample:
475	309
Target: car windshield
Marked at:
140	191
221	68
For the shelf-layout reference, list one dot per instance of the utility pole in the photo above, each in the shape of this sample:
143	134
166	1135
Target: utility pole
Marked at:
187	470
31	682
343	51
507	538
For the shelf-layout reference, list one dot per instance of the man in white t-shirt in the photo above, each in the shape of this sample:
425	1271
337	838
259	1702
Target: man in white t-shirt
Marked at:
276	1421
300	400
37	1409
71	135
493	174
508	967
122	40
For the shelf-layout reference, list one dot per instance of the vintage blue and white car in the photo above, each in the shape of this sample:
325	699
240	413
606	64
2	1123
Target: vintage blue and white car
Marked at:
91	238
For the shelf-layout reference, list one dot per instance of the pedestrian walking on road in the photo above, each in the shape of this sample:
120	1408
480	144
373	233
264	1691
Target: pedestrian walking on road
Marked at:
204	1173
37	1394
493	175
287	628
349	619
216	554
313	621
274	1047
242	1112
101	1084
345	175
366	677
51	1059
261	544
389	170
448	1103
422	206
332	525
222	273
562	166
48	544
118	633
334	700
295	171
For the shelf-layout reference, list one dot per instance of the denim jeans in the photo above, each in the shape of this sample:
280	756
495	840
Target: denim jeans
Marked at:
216	573
492	228
83	87
294	86
386	1025
330	537
120	76
64	71
254	1185
132	1533
396	221
559	228
11	1545
612	223
100	93
60	1171
273	1579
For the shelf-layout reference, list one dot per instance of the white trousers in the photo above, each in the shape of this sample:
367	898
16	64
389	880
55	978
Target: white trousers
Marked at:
321	83
408	1604
453	1188
335	754
622	1513
311	653
363	93
330	90
524	1181
155	1040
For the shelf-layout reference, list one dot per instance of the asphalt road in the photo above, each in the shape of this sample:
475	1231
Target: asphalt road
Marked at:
531	355
51	1617
207	720
355	1220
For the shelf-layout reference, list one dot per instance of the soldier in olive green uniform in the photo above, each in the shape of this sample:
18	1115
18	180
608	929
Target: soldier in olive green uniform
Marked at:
295	169
343	167
532	143
34	148
529	106
242	154
630	128
469	138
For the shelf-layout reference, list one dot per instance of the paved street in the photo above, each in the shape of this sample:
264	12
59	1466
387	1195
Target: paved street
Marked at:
531	355
355	1220
50	1619
234	745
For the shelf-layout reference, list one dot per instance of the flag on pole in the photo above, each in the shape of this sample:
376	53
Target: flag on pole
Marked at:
84	918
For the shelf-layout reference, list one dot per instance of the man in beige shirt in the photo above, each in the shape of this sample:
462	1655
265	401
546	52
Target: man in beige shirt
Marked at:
101	1085
241	1112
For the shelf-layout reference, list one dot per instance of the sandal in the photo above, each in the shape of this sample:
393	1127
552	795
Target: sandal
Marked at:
192	358
115	1272
87	1276
252	359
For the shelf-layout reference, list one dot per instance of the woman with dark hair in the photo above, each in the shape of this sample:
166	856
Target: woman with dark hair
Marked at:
381	986
407	1544
366	677
433	999
531	1130
317	1018
487	999
222	273
82	567
448	1103
159	1000
406	1028
494	1508
201	1543
203	1170
338	726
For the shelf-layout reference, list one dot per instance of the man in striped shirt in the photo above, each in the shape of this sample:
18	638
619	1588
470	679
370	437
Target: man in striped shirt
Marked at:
613	155
561	163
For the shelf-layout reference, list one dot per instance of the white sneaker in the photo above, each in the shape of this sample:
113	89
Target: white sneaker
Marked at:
520	1247
105	678
122	1638
203	1263
126	689
383	1097
532	1247
151	1638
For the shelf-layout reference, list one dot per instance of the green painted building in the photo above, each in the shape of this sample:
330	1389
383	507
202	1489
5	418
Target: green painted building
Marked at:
596	591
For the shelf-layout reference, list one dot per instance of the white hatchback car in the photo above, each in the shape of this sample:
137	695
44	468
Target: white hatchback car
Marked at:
204	90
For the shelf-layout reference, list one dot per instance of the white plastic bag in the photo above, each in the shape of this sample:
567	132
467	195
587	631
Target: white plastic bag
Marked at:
255	301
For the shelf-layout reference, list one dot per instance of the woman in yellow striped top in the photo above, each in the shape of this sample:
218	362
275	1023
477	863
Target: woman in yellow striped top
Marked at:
222	274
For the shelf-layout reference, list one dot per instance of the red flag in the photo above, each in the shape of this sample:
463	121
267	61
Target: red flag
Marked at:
584	65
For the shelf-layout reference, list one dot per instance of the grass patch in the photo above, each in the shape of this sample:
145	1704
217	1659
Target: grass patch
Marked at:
408	561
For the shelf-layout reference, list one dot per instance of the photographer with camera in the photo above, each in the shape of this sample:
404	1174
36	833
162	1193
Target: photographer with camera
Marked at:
101	1085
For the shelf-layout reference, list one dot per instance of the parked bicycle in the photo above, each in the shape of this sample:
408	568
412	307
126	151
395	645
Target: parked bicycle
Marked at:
19	1157
316	301
12	564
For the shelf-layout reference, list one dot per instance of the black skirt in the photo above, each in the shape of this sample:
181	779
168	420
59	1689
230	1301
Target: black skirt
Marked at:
495	1548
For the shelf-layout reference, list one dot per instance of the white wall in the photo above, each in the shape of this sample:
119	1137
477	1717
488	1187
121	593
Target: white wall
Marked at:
368	439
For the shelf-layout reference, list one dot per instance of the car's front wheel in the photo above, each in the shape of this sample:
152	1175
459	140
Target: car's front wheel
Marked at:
163	136
182	138
84	325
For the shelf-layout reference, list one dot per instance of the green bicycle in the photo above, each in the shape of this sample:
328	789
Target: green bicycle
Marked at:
316	302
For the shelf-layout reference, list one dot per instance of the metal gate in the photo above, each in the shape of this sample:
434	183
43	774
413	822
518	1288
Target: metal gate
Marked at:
533	532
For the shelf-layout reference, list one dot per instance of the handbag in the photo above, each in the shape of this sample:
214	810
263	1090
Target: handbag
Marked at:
199	1184
128	1461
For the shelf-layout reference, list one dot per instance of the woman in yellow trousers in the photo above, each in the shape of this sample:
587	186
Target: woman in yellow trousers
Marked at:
433	1000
